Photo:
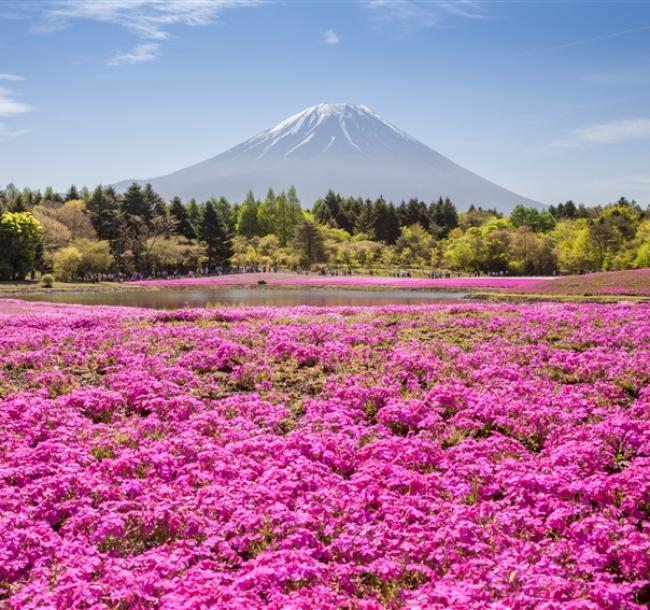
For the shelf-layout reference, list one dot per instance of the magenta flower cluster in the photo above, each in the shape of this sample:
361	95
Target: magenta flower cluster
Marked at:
294	279
438	456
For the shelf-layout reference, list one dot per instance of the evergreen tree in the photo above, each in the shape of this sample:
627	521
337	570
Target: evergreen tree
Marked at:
387	227
265	214
328	209
194	213
135	207
247	224
214	233
309	244
103	207
50	194
154	205
227	212
181	219
366	219
72	193
18	204
285	218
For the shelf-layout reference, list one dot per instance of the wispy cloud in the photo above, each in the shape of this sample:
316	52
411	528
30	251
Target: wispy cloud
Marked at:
12	77
148	20
622	76
575	43
330	37
10	106
7	134
604	133
423	14
147	51
625	183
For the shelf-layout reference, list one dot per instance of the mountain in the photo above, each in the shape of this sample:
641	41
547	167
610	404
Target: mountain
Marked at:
347	148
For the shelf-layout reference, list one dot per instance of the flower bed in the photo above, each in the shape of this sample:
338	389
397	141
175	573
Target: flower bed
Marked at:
360	281
461	456
634	282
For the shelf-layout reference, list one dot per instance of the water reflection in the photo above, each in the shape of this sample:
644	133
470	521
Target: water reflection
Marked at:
174	298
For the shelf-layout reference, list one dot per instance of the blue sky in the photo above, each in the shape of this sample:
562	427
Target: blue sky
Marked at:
549	99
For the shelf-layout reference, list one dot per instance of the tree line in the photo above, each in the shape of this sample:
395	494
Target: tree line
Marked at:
103	234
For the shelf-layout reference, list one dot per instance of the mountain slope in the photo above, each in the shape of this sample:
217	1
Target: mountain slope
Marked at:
347	148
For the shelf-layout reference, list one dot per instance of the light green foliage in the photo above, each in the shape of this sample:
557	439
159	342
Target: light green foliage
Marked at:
67	262
174	252
20	239
415	247
96	257
573	246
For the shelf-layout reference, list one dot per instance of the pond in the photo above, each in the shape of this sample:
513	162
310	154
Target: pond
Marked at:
175	298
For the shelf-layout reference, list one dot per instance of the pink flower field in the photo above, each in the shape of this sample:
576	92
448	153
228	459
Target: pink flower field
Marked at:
352	281
423	457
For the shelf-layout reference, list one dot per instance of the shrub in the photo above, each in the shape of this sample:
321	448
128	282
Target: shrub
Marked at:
47	281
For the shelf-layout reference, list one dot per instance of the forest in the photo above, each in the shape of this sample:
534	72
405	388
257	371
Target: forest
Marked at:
84	235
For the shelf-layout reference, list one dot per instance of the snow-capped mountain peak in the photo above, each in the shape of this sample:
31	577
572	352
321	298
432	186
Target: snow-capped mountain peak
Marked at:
326	128
345	147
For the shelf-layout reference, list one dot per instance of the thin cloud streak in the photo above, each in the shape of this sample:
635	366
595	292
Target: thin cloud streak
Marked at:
576	43
623	76
9	106
623	130
417	14
6	134
11	77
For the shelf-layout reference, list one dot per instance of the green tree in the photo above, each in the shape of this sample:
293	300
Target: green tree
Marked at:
466	251
72	193
103	207
308	243
531	254
574	248
286	216
181	219
387	226
20	240
67	262
415	247
247	222
96	257
194	212
265	214
214	233
540	222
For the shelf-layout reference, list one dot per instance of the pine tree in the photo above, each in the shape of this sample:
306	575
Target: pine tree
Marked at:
134	207
72	193
181	218
265	214
194	213
213	232
285	218
387	227
154	205
247	224
309	244
103	207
